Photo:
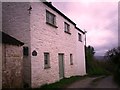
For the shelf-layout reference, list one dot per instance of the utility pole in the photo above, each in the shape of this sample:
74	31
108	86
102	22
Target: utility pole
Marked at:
85	51
85	37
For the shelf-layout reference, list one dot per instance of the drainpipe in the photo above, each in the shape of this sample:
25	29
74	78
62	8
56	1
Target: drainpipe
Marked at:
85	51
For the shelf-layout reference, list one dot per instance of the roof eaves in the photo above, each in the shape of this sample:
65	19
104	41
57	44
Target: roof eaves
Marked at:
52	7
79	30
7	39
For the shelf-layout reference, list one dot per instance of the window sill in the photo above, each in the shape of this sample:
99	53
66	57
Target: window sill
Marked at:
47	67
67	32
51	24
80	40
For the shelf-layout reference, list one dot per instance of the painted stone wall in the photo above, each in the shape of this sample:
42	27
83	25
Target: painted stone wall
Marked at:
0	66
45	38
0	46
12	66
16	23
80	55
37	35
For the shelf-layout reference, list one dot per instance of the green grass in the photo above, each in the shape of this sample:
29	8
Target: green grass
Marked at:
97	68
97	71
63	82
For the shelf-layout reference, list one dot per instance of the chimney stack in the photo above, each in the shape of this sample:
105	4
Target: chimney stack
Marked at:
50	3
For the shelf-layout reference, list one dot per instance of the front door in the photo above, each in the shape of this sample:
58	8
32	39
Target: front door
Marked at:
61	65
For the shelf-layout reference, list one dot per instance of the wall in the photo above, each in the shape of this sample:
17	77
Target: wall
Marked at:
12	66
37	35
80	55
45	38
119	24
0	45
16	22
0	66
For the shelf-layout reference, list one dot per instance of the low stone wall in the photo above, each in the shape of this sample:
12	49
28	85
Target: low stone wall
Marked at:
11	66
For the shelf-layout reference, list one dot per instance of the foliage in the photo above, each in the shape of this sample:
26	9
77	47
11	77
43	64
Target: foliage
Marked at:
113	57
63	82
93	66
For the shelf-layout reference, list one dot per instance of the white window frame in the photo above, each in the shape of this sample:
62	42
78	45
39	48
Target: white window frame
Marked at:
66	27
50	18
71	59
46	65
79	37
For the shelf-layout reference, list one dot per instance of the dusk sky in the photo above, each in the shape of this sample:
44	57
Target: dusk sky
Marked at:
99	19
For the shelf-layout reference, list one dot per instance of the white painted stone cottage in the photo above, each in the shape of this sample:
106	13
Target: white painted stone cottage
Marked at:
53	45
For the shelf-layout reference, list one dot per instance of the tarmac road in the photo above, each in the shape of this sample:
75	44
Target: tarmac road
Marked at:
95	82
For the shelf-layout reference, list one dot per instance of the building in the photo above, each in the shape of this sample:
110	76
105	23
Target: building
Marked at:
12	62
53	45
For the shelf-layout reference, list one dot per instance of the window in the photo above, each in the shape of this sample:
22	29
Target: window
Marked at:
50	18
71	59
79	37
46	60
66	27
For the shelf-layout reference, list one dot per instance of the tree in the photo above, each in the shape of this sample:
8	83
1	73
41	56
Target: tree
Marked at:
89	57
93	67
113	56
90	53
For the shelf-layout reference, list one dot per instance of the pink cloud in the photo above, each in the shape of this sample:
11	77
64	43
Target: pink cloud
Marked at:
98	18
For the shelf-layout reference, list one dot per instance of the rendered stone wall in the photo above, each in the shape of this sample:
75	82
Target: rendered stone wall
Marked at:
16	23
0	66
45	38
12	66
37	35
0	46
80	55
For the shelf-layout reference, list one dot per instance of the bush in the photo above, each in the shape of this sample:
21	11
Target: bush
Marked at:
94	67
113	56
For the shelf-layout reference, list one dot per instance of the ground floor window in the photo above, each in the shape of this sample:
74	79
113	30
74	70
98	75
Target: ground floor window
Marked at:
46	60
71	59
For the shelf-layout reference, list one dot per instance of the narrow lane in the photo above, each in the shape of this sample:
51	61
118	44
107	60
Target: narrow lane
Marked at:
106	83
96	82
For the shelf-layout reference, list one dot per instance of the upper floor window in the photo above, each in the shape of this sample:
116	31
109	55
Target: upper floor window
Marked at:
67	27
50	18
79	37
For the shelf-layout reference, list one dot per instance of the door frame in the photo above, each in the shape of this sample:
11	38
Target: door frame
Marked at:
62	65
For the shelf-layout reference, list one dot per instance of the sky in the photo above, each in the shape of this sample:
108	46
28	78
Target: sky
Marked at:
98	18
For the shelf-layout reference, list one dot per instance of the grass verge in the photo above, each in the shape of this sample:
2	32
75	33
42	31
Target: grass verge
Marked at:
63	82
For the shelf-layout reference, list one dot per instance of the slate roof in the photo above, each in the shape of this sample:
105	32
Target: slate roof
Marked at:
7	39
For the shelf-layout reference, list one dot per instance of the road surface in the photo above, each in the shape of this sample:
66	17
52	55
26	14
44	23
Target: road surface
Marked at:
95	82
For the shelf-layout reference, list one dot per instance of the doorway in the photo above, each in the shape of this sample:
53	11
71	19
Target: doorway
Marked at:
61	65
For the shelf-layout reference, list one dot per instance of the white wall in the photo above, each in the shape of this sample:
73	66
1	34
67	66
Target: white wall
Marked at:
0	64
37	35
0	46
45	38
80	55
